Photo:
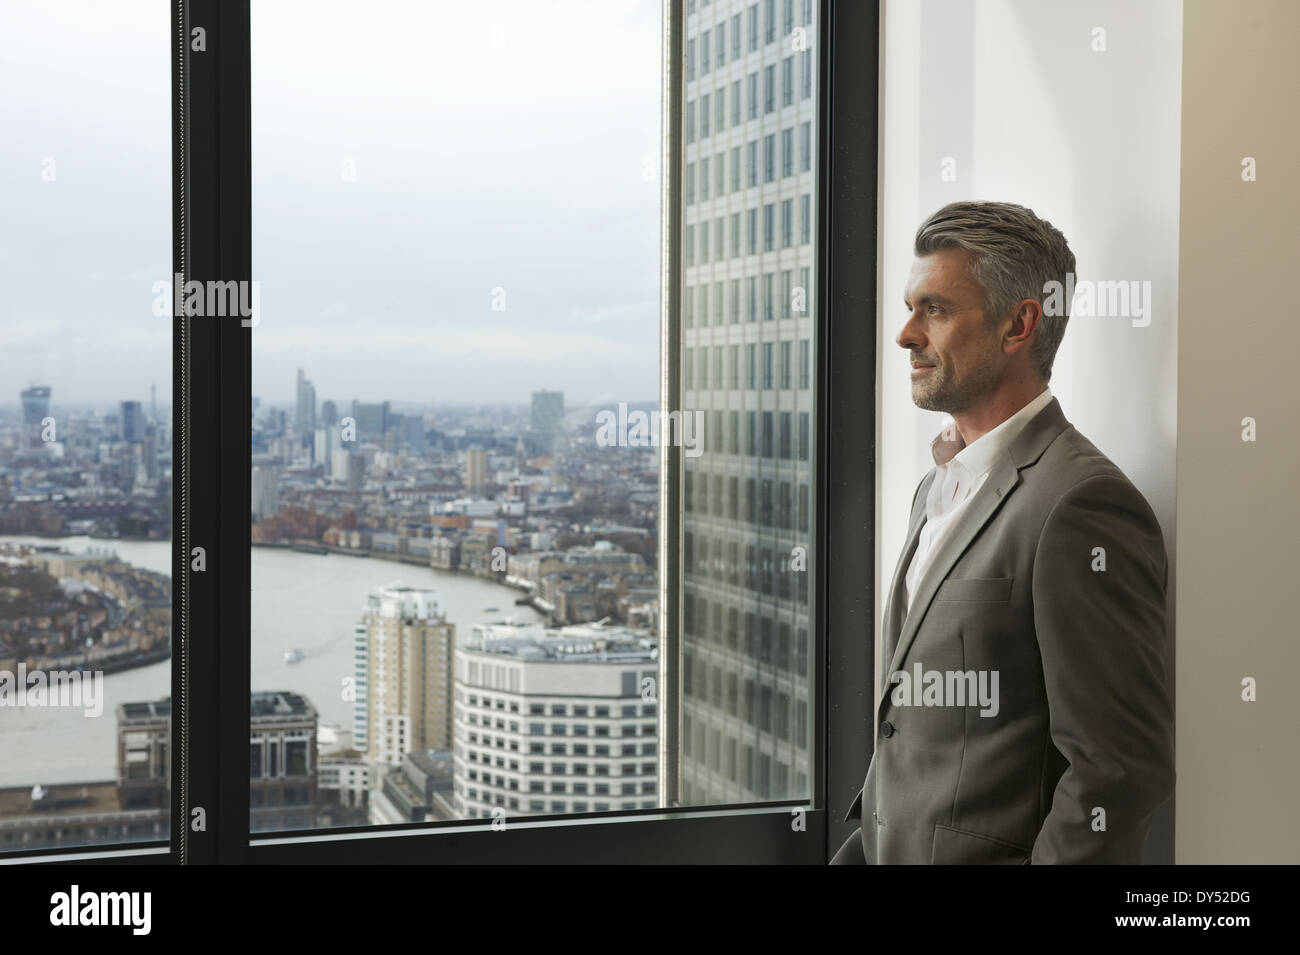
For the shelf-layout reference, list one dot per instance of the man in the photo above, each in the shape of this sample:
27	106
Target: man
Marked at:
1024	713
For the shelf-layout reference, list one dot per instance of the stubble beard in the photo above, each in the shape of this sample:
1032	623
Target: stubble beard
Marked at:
942	391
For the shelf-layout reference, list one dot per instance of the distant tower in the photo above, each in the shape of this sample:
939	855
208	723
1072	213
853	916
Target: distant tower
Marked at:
475	469
36	408
548	416
305	412
153	404
132	422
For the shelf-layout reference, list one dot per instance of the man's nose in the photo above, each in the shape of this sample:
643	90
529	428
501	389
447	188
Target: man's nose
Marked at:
908	336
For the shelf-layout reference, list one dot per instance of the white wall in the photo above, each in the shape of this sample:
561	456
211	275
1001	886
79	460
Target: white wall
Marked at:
1014	93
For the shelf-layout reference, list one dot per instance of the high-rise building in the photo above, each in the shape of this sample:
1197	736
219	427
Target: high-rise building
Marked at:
266	491
371	419
329	415
324	445
555	721
305	411
475	469
36	408
547	421
132	422
747	341
406	676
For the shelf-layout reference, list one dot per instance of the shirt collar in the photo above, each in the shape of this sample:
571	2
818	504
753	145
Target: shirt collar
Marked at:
978	456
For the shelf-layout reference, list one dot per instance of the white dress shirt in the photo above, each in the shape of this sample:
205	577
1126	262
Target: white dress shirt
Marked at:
961	470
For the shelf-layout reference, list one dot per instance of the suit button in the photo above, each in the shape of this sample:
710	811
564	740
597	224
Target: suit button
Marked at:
886	729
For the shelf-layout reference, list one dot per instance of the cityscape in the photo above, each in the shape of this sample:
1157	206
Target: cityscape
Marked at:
522	497
456	607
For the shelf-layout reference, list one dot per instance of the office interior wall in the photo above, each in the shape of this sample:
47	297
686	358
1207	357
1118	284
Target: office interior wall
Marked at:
1072	109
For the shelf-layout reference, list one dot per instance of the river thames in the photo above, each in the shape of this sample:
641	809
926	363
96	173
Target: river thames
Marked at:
305	602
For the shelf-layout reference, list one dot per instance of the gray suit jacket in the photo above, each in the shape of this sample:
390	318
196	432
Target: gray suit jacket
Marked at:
1079	751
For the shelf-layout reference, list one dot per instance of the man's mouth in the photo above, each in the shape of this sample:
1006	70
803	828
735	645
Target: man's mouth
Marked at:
920	368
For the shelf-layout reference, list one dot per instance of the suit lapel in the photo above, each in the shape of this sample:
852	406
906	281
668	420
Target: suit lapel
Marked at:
1002	480
893	622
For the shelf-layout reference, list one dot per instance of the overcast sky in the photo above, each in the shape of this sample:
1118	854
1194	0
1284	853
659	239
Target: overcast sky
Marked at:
409	159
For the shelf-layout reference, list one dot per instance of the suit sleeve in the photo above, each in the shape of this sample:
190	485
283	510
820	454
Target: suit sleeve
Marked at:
1102	639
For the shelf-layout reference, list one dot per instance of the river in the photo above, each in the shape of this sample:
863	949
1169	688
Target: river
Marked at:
306	602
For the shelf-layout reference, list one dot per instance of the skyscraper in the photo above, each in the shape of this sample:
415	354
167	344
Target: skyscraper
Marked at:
748	337
406	673
475	469
548	417
132	422
305	412
36	408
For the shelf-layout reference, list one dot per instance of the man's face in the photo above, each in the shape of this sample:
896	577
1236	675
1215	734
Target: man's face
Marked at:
956	358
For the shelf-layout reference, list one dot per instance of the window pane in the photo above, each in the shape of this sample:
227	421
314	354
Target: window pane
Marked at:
86	426
455	599
746	726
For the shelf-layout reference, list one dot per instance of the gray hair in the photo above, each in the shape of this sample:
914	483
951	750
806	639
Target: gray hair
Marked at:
1014	254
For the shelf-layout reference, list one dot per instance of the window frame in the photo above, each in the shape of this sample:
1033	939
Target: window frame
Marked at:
212	392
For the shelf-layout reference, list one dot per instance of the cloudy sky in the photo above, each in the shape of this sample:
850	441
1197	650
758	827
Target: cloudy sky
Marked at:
414	164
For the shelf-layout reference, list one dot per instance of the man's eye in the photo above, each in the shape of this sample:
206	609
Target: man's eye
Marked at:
935	308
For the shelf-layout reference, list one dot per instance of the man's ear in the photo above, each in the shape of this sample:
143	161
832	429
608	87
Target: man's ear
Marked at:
1024	320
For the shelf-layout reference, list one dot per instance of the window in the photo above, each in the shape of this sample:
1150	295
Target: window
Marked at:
87	370
366	453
